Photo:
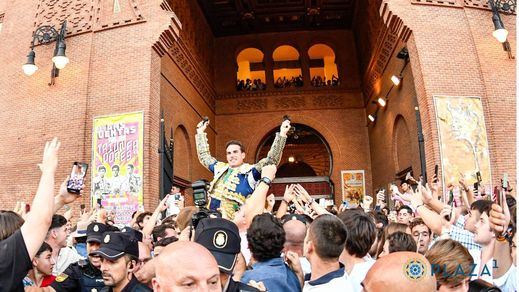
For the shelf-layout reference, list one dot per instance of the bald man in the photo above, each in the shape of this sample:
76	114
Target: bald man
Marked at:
295	233
400	272
176	269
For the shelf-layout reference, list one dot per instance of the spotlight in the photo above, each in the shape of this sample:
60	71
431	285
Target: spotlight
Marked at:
381	101
372	117
403	54
396	80
291	159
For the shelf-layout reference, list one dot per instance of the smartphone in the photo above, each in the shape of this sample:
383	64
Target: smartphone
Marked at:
451	203
99	203
505	181
436	171
497	195
82	207
77	176
478	176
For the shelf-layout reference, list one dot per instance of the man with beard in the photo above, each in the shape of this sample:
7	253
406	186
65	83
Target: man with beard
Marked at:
85	274
119	259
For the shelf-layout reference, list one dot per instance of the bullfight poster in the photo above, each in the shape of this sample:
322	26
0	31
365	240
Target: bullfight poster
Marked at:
117	164
353	186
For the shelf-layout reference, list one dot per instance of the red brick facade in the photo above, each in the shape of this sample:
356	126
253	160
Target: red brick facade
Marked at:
144	58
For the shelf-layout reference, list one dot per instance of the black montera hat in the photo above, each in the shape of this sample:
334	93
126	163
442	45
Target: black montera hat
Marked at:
117	244
222	238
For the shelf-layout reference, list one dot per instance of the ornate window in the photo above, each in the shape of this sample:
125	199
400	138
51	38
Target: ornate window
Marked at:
287	67
323	69
251	70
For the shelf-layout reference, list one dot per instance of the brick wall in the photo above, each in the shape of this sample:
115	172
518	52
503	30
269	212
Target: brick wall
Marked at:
111	71
453	53
114	69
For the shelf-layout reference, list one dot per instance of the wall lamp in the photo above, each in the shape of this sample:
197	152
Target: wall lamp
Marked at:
381	102
500	32
372	117
43	35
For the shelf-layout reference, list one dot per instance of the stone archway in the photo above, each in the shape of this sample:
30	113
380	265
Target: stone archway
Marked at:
307	160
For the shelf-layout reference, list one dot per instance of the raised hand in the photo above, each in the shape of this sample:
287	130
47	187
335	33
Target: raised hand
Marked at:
302	193
200	128
285	127
49	162
394	190
463	184
66	197
289	194
163	205
447	217
84	216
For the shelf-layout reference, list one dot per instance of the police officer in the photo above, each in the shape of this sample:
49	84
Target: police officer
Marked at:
84	275
119	259
222	238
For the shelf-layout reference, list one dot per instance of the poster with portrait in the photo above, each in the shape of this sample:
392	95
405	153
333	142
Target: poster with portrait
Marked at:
463	139
117	164
353	186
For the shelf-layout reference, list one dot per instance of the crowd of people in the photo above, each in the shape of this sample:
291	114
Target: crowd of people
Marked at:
427	245
284	82
318	81
295	81
250	85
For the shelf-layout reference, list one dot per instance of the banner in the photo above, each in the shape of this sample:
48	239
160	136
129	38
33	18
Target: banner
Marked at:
353	186
463	139
117	164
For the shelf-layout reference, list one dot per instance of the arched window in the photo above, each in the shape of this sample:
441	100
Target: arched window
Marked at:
287	67
251	70
323	70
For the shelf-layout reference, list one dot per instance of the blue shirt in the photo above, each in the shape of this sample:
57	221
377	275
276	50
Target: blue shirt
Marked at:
275	275
82	250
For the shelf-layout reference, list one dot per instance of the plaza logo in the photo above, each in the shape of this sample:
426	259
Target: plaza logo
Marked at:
415	269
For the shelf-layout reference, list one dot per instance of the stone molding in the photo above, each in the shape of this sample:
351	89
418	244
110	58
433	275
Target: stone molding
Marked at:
392	31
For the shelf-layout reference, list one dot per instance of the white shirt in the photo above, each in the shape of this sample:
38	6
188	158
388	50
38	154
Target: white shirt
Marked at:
358	273
66	256
305	265
244	247
484	273
334	281
508	282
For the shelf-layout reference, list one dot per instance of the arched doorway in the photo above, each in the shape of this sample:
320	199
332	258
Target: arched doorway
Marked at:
306	160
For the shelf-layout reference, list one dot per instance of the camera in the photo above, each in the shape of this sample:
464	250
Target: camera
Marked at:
200	188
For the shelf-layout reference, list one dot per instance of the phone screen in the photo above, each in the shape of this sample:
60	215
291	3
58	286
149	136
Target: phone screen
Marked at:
77	176
505	181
